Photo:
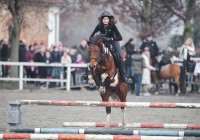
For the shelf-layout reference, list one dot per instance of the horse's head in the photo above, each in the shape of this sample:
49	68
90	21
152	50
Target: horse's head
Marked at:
95	51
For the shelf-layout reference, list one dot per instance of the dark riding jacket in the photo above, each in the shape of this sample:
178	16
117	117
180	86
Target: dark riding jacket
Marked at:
111	31
153	48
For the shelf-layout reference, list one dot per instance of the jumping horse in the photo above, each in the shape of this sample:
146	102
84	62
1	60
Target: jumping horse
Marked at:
105	74
167	71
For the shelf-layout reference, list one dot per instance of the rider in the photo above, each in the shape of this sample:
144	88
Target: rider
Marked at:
107	26
165	59
153	48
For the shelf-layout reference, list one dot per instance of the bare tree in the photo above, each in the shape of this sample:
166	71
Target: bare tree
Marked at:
18	10
188	11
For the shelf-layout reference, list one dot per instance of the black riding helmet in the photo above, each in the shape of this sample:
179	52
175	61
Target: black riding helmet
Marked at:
105	14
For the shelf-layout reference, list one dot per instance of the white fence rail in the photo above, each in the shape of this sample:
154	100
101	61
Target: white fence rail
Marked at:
21	79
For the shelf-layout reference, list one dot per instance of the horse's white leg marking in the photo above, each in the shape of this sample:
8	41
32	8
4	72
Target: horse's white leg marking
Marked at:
108	120
91	81
124	119
102	89
114	84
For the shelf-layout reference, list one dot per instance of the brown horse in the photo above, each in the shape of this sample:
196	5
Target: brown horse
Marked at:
169	71
106	75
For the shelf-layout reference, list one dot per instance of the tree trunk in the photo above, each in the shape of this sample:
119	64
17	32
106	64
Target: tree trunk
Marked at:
15	46
189	15
15	8
148	18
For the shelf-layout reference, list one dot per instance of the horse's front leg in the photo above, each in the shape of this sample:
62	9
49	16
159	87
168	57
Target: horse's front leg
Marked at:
105	98
108	111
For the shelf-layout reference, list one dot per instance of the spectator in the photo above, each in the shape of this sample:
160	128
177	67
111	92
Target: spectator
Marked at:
130	50
73	54
79	70
48	60
22	51
60	49
37	47
82	50
30	70
56	58
5	54
153	48
146	76
40	57
186	52
137	67
65	59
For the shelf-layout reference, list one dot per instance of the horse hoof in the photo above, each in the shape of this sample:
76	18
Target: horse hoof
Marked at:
91	85
124	126
177	94
156	93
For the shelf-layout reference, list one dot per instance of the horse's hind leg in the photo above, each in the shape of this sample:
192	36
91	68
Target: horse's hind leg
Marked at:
108	111
178	85
122	95
124	118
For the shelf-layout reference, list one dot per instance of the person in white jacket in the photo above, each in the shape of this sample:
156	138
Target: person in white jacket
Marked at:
146	77
187	50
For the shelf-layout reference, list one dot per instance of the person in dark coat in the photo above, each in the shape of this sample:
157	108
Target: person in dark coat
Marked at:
22	51
5	54
107	26
130	50
153	48
40	57
56	58
82	50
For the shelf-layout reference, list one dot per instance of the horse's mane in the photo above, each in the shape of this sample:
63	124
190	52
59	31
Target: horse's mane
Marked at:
96	38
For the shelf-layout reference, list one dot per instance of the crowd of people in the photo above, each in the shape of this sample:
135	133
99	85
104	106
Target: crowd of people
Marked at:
138	62
40	53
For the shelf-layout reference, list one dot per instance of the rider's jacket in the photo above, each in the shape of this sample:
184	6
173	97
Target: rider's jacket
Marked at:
110	31
153	48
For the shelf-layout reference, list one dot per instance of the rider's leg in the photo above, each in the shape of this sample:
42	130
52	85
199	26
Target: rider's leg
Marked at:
120	60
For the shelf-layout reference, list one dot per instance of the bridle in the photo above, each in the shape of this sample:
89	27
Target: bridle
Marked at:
99	53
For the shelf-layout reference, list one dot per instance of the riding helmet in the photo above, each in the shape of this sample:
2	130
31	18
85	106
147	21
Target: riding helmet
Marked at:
105	14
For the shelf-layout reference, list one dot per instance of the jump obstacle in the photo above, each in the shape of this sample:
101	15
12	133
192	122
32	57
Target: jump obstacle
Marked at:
110	104
188	133
83	137
14	119
133	125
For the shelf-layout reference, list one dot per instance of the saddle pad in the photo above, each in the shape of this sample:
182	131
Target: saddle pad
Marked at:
165	67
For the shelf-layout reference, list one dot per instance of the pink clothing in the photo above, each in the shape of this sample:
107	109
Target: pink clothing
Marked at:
79	62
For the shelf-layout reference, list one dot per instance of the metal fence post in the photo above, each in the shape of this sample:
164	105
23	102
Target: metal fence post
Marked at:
14	115
68	77
21	77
